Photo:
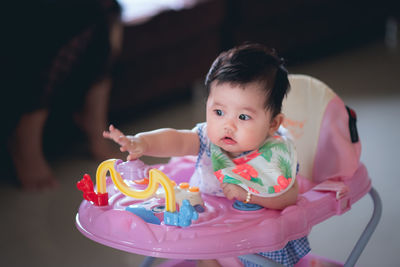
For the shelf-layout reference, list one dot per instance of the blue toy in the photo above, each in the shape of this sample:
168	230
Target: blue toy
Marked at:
182	218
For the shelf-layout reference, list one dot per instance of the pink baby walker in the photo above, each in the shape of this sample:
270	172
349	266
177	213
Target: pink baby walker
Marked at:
162	216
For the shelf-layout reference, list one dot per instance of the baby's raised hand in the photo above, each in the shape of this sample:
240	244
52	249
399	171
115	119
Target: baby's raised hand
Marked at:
131	144
233	191
114	134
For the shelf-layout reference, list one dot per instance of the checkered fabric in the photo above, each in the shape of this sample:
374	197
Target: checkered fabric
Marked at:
288	256
204	144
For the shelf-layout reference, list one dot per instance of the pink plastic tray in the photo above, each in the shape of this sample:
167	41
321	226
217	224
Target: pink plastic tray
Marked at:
221	231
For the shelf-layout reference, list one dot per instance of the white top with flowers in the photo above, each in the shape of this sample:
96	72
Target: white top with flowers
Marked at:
268	171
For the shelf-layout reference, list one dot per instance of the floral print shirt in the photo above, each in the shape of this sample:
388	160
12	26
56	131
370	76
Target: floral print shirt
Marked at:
268	171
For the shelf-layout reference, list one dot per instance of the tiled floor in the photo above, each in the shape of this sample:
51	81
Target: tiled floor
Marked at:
37	229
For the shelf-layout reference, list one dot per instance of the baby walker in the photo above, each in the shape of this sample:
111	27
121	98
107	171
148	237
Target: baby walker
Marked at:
161	217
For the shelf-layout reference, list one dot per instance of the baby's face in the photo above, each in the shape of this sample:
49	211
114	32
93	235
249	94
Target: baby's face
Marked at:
236	118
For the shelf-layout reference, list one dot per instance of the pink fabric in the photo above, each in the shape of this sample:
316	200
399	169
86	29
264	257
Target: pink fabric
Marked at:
336	156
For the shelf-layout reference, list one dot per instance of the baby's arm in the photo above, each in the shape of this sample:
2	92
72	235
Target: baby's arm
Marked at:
170	142
232	191
158	143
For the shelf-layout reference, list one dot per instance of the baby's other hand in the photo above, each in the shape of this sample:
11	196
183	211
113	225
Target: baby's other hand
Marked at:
233	191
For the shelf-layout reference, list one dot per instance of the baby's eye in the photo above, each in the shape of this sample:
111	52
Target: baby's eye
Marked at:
219	112
244	117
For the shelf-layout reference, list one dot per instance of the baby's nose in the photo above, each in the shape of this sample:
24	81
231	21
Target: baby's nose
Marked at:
229	126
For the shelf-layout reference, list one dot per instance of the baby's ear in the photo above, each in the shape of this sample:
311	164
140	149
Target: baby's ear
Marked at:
275	123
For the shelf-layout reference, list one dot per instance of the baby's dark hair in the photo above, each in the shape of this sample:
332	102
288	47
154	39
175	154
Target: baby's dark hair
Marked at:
252	63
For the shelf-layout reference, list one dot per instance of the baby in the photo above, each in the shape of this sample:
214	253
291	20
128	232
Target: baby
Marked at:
242	151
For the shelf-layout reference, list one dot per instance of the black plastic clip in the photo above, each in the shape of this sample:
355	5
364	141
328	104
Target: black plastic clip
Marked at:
352	125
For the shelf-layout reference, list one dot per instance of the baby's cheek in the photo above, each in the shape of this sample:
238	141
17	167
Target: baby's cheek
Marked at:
212	133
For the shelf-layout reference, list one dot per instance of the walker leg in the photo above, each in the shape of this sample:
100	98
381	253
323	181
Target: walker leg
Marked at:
147	262
369	229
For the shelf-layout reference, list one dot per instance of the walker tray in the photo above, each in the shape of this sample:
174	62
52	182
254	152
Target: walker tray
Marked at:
221	230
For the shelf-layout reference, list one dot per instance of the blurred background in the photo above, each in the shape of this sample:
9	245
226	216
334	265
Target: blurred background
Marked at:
164	51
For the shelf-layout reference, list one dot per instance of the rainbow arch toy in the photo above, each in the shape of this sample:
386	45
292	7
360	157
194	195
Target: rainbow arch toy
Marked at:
156	178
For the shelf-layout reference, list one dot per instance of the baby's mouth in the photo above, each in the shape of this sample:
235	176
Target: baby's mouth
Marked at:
228	140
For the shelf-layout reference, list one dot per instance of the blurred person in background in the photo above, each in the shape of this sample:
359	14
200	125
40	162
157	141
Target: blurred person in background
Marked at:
55	55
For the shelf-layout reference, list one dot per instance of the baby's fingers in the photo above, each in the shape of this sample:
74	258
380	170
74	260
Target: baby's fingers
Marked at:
122	140
115	133
107	134
227	192
132	157
137	153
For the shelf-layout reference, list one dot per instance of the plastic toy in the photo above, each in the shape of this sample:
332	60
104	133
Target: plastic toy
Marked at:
183	217
331	178
138	172
185	191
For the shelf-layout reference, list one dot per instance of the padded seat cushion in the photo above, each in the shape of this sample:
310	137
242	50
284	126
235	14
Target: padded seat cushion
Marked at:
318	121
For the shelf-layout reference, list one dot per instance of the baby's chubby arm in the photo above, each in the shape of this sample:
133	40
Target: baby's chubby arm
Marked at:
158	143
232	191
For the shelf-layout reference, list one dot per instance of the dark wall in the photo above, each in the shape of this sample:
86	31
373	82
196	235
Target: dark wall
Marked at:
162	57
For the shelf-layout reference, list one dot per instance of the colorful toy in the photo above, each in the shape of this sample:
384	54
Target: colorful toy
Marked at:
185	191
182	217
138	172
331	178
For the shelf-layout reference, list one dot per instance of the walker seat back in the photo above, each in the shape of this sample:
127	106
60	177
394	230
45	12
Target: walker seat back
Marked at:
320	125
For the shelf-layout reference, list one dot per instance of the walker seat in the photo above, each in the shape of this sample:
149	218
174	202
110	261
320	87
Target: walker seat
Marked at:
331	179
